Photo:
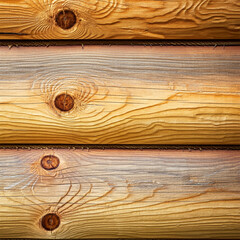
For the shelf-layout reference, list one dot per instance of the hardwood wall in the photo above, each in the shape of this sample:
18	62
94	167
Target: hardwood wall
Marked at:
119	19
119	95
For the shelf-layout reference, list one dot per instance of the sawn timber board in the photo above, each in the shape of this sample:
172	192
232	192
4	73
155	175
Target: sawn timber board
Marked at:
119	19
120	95
86	194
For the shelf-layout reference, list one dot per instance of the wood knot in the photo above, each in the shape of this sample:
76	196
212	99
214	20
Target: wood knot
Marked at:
64	102
66	19
50	221
50	162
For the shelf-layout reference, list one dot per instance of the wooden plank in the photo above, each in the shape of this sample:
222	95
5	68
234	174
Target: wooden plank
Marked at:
119	19
120	95
119	194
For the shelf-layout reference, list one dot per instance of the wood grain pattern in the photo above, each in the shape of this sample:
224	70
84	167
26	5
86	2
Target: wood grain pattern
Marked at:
119	19
121	194
122	95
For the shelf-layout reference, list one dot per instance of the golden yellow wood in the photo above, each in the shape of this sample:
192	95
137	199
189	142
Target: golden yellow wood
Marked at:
121	194
119	19
120	94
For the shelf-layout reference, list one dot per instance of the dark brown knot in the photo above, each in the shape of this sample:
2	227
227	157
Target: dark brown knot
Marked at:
50	162
64	102
50	221
66	19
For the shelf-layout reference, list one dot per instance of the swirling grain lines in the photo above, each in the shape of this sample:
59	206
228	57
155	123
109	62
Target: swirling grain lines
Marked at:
81	90
86	28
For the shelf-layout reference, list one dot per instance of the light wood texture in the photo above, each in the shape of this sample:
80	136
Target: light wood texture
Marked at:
120	19
122	95
121	194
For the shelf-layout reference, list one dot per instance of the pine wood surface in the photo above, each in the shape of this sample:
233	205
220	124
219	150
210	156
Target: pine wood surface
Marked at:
120	95
120	194
119	19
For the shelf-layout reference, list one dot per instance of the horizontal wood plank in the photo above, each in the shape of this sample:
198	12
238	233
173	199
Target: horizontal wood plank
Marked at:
120	95
119	194
119	19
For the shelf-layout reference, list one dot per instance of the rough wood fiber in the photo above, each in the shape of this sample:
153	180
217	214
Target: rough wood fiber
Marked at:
120	194
119	19
121	95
